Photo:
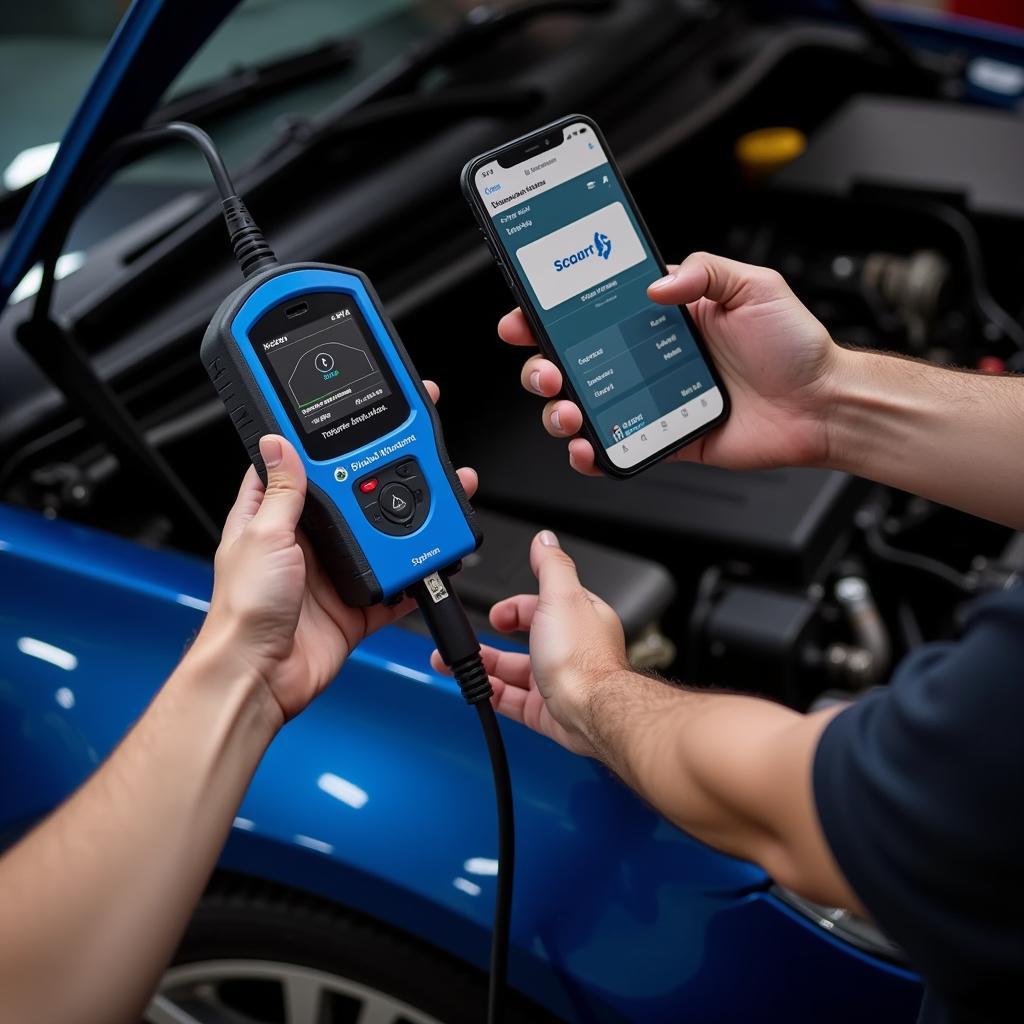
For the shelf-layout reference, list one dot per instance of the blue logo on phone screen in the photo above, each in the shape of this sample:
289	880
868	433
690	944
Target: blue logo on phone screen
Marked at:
601	246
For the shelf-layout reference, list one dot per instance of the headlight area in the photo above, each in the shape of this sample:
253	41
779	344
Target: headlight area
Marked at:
845	925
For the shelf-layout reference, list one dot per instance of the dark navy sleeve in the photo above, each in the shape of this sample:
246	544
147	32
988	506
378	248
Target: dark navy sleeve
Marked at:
920	792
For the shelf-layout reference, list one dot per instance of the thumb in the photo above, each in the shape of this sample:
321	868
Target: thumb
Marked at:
554	569
285	492
722	280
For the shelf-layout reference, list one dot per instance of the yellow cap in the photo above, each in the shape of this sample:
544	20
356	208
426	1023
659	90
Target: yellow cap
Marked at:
768	149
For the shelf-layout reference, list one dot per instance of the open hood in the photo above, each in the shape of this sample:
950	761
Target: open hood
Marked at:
154	41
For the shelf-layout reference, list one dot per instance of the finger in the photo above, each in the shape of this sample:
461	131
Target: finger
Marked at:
562	419
433	390
541	377
507	698
250	495
691	453
554	569
510	701
511	666
514	330
286	484
581	457
514	614
722	280
469	480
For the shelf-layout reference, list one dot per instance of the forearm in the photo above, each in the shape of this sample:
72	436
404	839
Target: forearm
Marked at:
98	895
731	770
947	435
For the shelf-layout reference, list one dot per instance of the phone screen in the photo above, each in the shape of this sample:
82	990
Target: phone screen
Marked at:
329	372
570	235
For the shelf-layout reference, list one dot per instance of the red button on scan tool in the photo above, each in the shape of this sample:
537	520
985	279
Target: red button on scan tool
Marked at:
368	486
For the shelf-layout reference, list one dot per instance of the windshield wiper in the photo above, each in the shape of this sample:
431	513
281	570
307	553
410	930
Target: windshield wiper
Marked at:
401	77
396	84
246	83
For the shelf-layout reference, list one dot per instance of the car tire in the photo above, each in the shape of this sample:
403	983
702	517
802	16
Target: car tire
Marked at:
259	954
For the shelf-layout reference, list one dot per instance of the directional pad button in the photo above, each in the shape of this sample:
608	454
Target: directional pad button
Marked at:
396	503
395	498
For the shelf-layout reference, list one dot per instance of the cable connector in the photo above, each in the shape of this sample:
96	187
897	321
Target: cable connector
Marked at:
456	642
251	249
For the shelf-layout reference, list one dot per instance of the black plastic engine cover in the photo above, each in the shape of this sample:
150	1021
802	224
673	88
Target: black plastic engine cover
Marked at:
926	147
787	523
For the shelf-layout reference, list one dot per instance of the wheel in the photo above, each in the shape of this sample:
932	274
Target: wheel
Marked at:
258	954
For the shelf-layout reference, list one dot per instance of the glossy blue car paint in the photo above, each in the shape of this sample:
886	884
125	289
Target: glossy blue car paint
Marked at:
444	537
379	798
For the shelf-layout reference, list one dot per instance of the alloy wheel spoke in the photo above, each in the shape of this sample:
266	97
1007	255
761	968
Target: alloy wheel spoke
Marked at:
162	1010
302	999
198	993
375	1011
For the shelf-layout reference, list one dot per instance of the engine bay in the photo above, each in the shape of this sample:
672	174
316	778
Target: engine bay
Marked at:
897	224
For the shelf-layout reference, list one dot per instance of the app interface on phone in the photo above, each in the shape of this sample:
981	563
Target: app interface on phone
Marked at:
570	236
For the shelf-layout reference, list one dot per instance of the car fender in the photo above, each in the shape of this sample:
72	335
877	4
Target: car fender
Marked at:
379	796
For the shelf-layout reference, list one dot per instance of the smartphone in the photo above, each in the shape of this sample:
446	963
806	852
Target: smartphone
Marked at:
571	244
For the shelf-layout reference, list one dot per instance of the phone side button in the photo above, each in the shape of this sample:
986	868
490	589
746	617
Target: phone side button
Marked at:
505	274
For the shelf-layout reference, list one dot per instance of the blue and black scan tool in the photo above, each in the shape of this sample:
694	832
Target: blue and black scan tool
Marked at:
306	351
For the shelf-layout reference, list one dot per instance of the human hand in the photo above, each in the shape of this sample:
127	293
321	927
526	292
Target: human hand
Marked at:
777	360
576	640
274	610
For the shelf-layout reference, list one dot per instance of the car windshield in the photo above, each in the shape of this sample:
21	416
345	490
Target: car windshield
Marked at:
49	52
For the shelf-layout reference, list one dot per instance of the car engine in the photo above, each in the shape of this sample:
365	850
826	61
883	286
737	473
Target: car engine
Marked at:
892	203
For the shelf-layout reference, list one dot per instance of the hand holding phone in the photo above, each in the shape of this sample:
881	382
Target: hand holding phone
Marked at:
777	359
574	249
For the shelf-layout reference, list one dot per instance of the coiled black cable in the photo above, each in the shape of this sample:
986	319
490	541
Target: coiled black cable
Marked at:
251	249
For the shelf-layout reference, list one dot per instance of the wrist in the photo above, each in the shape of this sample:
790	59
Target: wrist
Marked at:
850	391
600	709
216	669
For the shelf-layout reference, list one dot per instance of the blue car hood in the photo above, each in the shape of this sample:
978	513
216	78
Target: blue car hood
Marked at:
154	41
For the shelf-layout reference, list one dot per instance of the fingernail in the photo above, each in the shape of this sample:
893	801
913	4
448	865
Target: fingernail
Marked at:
662	281
556	420
548	539
535	382
270	449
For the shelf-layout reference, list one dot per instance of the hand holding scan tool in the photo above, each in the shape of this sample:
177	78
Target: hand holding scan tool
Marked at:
306	352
